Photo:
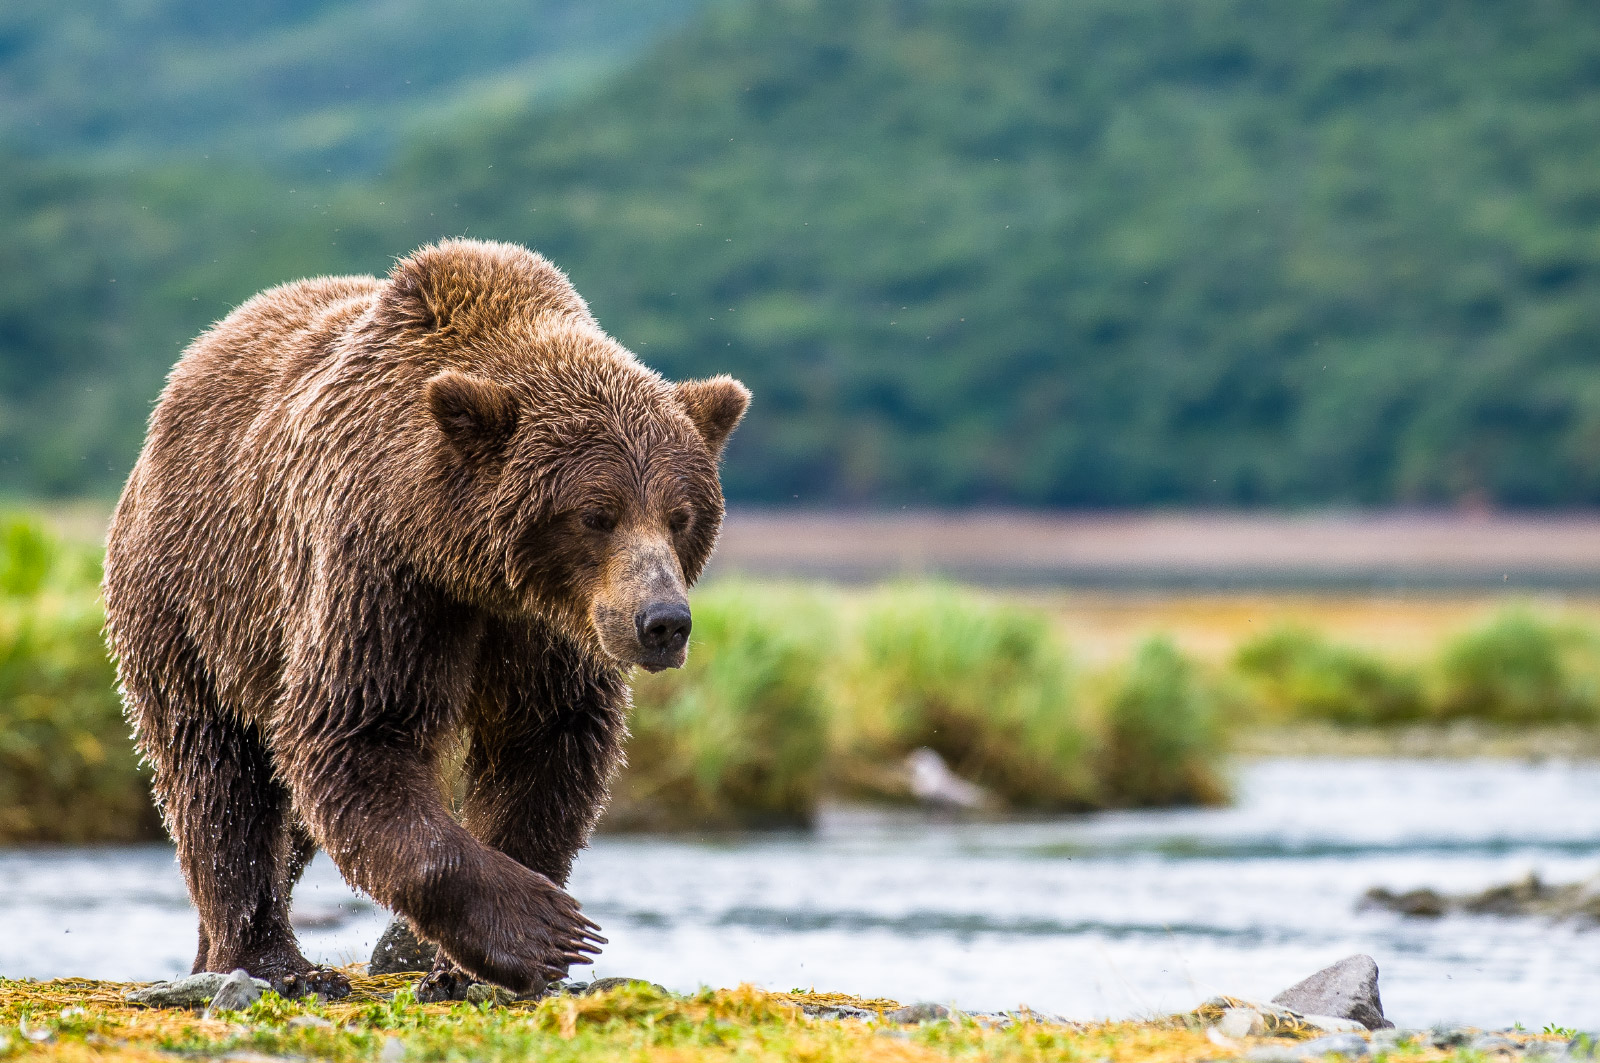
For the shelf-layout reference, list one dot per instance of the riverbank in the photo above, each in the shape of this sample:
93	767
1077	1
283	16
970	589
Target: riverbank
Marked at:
1109	916
77	1020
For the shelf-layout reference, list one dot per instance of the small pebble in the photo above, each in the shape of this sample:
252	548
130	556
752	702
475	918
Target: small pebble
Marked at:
236	993
1241	1022
1450	1036
36	1034
393	1051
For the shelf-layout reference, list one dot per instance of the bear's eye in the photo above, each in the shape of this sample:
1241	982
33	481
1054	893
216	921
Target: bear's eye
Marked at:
600	520
678	521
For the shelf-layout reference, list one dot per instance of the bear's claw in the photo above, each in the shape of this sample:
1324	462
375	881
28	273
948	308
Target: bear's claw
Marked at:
321	981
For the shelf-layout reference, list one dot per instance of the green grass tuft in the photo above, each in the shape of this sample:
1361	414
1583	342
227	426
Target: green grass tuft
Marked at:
1295	672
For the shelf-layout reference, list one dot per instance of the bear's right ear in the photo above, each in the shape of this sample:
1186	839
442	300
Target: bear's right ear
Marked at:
477	416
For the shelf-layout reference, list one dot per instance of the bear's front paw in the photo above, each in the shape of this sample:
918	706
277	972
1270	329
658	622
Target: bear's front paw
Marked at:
444	983
321	981
524	935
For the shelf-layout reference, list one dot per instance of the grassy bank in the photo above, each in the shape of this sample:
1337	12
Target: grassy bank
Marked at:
798	692
77	1020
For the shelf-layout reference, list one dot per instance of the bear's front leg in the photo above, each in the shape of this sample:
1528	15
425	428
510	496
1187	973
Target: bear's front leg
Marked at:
358	740
386	827
545	741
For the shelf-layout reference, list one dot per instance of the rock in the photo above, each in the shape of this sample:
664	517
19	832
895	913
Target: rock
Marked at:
484	993
195	991
933	783
1423	903
1491	1043
1383	1040
1346	990
1333	1024
1527	896
399	951
237	992
1347	1045
1274	1054
393	1050
604	985
837	1011
1450	1036
1584	1046
923	1012
1241	1022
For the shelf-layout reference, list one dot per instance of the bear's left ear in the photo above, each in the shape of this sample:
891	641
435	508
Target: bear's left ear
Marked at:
715	406
477	416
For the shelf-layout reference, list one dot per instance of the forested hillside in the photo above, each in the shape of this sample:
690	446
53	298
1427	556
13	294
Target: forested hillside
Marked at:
1108	252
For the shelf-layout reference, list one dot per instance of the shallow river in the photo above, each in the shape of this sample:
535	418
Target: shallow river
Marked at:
1121	914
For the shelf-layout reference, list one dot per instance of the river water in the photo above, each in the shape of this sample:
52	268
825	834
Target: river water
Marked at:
1110	915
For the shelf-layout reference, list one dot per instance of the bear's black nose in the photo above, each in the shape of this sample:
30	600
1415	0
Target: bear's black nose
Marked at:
663	626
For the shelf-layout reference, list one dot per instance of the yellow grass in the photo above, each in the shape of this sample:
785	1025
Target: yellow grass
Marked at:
1105	627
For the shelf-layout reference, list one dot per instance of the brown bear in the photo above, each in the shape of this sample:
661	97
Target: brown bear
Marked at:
375	520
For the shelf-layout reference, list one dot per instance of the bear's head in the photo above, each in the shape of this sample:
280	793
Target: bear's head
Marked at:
583	485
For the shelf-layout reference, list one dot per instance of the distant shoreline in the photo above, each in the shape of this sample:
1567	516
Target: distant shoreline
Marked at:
1194	550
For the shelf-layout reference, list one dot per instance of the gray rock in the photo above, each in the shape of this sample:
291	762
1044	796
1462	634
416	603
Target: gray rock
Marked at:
393	1050
1382	1040
1346	1045
1333	1024
1450	1036
1241	1022
1346	990
1274	1054
1584	1046
195	991
837	1011
1492	1043
399	951
237	992
933	783
923	1012
483	992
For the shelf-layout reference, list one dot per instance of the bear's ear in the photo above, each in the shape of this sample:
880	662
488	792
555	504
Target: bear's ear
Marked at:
476	415
409	303
715	406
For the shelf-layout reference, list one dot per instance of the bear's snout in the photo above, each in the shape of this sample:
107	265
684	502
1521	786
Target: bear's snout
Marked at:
663	628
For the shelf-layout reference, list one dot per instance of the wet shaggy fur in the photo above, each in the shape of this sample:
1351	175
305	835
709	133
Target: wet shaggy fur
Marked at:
373	519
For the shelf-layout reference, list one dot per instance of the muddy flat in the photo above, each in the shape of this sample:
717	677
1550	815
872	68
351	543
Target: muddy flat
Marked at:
1171	550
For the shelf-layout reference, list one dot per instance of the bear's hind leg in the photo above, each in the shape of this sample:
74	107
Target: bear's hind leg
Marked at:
240	852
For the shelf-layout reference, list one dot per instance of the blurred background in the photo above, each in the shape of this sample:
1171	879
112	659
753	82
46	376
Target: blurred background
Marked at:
1162	556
